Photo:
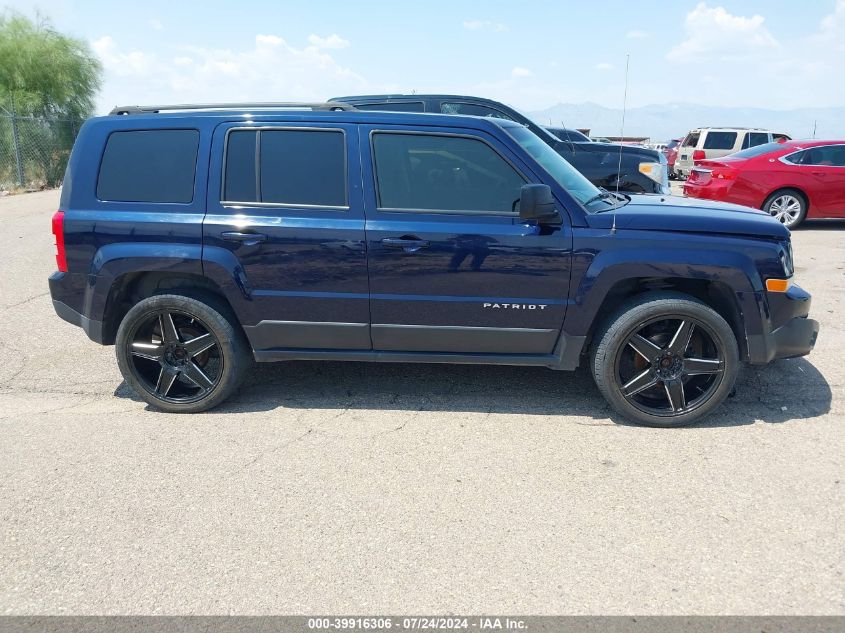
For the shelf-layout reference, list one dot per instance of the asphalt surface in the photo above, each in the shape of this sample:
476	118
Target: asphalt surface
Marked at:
356	488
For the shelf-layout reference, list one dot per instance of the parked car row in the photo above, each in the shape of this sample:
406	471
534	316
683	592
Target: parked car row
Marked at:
792	180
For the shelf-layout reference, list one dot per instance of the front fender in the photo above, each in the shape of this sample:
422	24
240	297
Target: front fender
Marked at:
596	272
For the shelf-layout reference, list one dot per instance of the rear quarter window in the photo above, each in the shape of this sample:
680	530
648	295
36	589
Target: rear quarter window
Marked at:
720	140
692	139
155	166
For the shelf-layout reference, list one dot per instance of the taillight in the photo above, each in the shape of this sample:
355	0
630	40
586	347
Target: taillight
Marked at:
723	173
59	234
699	176
698	154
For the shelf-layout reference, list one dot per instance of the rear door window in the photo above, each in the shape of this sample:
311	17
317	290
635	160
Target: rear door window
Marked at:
156	166
443	173
829	156
294	167
720	140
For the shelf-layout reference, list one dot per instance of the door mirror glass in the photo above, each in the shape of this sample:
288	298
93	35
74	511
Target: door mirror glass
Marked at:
536	202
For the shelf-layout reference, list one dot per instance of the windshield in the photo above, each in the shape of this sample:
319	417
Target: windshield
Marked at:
759	150
564	174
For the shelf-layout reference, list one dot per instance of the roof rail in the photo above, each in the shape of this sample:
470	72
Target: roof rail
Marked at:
292	105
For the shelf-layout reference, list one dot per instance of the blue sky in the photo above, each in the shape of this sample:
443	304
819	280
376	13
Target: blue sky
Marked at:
776	54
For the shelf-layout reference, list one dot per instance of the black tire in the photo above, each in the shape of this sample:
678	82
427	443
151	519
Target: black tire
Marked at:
788	206
181	354
698	368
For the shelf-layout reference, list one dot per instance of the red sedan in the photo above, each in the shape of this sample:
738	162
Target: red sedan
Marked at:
792	180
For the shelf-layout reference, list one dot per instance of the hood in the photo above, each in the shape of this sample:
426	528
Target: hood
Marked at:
644	152
690	215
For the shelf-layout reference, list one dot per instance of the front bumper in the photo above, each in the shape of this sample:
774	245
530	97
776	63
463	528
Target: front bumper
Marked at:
796	338
787	330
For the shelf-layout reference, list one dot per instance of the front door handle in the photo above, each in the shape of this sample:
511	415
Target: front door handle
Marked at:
247	239
407	243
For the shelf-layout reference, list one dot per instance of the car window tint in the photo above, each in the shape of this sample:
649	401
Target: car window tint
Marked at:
719	140
149	166
240	182
473	109
393	106
797	158
443	173
759	150
829	156
758	138
303	167
692	139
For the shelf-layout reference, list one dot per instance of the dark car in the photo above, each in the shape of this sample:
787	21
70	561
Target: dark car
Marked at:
565	134
197	240
642	170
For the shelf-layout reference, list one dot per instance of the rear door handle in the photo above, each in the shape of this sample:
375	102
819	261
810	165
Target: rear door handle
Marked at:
407	243
819	173
247	239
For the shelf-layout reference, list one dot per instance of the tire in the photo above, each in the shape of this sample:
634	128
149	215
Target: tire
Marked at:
696	366
788	206
181	354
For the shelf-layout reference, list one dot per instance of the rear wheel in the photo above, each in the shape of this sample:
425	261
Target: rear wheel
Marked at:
787	206
181	354
665	360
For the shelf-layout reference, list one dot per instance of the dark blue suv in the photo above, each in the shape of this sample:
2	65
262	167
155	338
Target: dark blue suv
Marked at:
198	239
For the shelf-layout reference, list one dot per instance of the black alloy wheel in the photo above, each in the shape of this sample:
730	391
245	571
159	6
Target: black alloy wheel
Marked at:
182	354
669	366
175	357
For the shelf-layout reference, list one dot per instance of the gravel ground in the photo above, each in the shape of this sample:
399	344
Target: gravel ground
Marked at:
334	487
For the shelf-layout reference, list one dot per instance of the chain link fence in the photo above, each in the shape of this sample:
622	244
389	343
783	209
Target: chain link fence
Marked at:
34	151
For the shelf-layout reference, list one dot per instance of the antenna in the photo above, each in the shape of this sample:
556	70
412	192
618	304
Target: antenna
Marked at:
815	124
621	137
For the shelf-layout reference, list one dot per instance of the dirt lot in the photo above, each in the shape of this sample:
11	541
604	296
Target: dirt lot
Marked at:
331	487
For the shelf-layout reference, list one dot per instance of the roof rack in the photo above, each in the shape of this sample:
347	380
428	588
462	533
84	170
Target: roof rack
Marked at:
292	105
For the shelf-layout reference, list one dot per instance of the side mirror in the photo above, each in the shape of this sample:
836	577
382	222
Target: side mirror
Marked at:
536	202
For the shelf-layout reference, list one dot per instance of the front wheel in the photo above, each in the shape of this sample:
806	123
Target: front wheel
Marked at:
180	354
665	360
787	206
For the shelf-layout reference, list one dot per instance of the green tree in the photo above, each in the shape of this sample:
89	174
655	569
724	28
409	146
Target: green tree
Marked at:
48	82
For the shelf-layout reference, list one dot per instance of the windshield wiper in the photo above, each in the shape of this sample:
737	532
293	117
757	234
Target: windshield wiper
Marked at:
603	194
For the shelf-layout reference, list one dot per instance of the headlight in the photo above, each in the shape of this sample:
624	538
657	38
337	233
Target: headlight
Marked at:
656	171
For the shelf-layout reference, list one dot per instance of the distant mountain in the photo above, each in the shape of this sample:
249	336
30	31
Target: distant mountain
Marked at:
673	120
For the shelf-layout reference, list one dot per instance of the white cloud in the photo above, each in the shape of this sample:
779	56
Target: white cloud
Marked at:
604	66
747	64
519	71
715	34
485	25
637	35
269	69
155	24
333	41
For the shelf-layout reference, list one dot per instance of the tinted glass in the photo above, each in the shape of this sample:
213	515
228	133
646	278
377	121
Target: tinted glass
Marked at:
757	138
830	156
719	140
569	135
443	173
149	166
692	139
797	158
751	152
472	109
240	167
303	167
394	106
565	174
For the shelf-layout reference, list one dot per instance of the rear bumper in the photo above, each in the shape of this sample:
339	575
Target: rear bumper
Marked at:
713	190
59	290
